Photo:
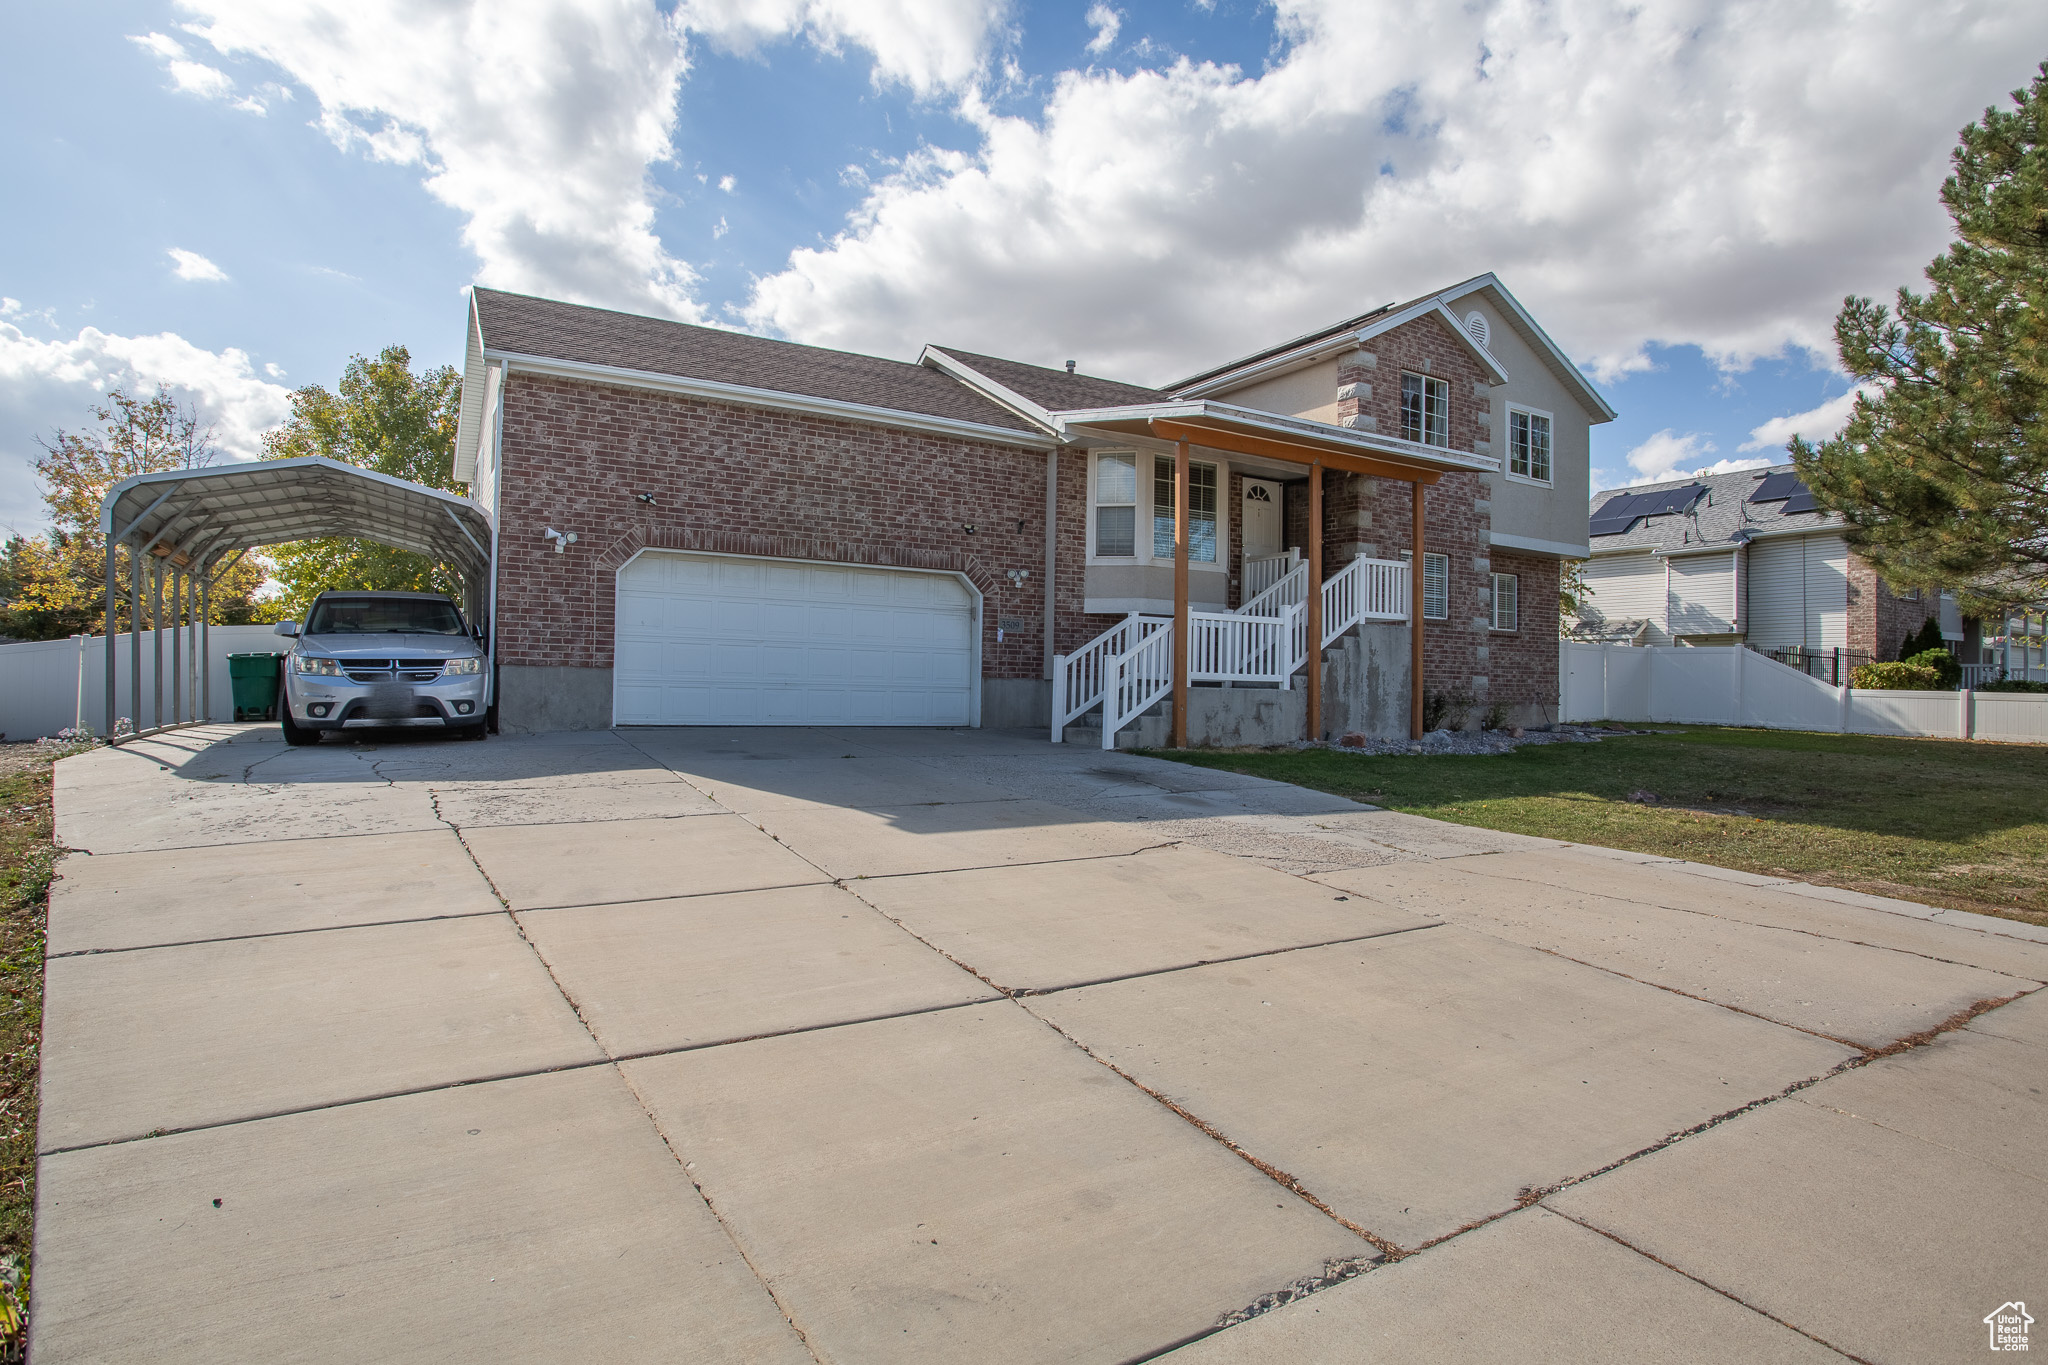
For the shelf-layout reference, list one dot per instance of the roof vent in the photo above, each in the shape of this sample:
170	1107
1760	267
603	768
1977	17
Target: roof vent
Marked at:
1070	367
1476	328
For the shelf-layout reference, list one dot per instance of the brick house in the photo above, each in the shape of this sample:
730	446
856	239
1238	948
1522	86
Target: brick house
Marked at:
695	526
1746	558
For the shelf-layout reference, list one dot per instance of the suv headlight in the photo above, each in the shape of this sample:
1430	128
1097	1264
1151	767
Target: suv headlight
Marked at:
313	664
454	666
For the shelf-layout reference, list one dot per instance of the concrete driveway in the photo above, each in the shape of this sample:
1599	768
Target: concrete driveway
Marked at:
885	1046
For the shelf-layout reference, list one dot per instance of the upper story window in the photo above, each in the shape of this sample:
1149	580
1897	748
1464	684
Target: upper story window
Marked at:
1529	444
1114	509
1425	410
1201	511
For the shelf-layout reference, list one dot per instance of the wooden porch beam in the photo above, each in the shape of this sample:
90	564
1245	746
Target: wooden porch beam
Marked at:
1237	443
1181	622
1315	602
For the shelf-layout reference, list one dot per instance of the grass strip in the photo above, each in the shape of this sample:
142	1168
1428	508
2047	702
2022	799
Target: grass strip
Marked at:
1942	822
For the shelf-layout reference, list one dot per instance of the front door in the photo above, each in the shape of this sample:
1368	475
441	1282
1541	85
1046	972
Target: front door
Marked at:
1261	518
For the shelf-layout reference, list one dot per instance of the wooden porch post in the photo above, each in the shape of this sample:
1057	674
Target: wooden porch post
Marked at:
1315	602
1181	623
1415	618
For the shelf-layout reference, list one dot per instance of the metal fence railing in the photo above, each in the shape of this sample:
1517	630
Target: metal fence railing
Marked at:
1831	666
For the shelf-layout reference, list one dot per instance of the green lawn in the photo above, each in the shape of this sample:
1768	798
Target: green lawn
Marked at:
1946	823
27	857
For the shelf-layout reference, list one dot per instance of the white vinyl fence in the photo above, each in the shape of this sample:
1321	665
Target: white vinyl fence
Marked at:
1733	685
49	685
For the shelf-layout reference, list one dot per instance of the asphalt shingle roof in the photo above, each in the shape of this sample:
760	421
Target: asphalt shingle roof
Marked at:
1056	390
598	336
1725	514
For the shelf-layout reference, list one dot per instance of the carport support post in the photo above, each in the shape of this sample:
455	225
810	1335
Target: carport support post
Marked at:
156	639
134	642
177	650
1181	622
1315	603
113	663
1415	615
203	703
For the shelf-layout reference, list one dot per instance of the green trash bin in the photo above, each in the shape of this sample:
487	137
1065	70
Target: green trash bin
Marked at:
254	679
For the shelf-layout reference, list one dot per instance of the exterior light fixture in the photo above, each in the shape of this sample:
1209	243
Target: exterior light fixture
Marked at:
563	539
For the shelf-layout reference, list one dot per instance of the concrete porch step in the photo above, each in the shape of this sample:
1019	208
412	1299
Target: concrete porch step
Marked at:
1152	730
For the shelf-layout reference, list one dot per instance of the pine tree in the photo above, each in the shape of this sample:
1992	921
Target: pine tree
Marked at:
1942	470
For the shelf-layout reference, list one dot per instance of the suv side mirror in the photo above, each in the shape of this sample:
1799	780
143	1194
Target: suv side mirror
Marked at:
290	628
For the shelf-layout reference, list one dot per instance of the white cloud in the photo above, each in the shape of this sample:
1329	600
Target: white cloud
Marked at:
536	119
48	384
928	45
1815	424
1668	455
726	183
194	78
190	265
273	369
720	229
1106	22
1701	172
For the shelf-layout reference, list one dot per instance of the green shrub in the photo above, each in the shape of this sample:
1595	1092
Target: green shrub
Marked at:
2014	685
1920	641
1895	677
1945	665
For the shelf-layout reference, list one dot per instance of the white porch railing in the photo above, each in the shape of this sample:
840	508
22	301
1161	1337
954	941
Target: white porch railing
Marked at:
1129	667
1138	681
1080	679
1263	571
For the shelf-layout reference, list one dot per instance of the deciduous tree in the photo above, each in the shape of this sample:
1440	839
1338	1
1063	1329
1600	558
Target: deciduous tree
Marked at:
382	417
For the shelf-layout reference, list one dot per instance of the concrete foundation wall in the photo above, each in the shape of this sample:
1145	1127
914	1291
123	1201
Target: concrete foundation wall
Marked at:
532	699
1366	683
1230	717
1016	703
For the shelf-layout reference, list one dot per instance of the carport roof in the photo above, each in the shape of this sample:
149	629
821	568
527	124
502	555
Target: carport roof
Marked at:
196	515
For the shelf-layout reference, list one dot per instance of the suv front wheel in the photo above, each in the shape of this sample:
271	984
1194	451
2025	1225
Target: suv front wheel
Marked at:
294	733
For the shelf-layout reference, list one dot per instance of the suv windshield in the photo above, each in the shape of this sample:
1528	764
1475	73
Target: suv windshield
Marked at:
379	615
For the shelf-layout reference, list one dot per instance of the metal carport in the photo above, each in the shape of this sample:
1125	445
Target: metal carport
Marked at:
189	526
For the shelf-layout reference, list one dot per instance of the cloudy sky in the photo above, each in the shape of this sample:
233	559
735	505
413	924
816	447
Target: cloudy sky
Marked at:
232	197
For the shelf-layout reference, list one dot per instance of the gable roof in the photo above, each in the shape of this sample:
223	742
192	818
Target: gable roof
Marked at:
1355	331
519	325
1720	515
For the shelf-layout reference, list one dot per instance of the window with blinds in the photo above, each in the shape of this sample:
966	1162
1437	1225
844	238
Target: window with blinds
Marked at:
1507	602
1425	410
1436	587
1201	511
1116	506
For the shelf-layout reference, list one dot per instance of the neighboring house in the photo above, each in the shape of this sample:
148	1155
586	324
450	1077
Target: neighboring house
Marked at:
772	533
1743	557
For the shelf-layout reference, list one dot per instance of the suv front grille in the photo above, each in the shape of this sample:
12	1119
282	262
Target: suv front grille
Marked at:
393	670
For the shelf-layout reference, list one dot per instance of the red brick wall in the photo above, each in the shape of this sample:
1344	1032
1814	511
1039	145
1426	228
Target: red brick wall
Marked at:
1879	620
1521	665
750	480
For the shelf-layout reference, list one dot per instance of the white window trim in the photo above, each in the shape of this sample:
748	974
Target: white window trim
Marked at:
1144	558
1494	612
1427	380
1138	500
1507	446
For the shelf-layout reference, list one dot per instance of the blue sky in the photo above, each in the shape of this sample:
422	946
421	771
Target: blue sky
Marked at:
1681	194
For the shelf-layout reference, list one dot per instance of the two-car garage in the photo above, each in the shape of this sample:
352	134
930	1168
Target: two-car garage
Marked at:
728	640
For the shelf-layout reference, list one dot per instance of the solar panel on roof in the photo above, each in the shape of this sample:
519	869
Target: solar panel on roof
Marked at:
1776	486
1672	500
1616	515
1801	501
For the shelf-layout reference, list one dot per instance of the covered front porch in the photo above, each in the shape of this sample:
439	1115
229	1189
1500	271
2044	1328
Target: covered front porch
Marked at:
1289	610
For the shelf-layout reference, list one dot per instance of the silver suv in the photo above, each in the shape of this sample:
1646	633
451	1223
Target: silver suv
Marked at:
367	660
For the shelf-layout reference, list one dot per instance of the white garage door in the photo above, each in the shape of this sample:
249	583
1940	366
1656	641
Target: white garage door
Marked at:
704	640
